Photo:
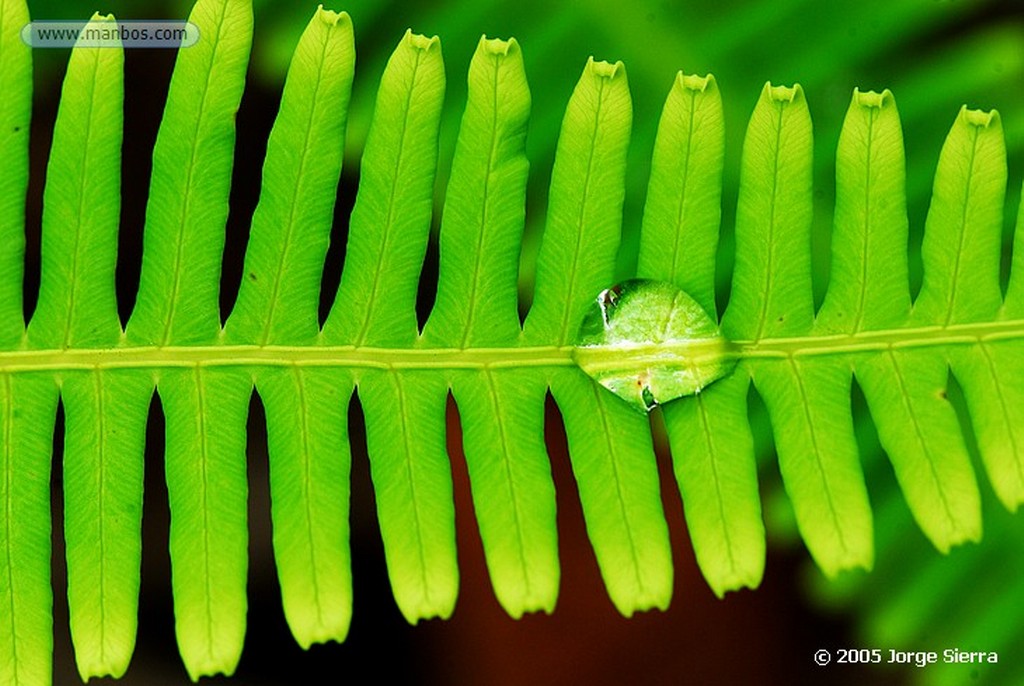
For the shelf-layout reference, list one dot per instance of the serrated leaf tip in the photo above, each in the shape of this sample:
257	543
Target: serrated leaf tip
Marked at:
783	94
695	82
605	70
979	118
872	99
330	17
96	16
420	41
497	46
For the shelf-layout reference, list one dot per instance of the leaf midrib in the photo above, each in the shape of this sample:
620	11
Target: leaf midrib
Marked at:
83	183
8	476
296	188
393	198
186	202
307	499
770	226
101	473
485	207
585	197
423	357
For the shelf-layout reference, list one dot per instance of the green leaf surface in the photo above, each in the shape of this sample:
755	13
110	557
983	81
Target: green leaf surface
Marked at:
809	403
207	490
617	477
961	258
771	297
77	305
577	255
390	222
501	411
966	213
28	405
683	209
918	428
713	459
279	295
502	415
309	486
405	438
104	442
869	286
964	225
277	303
15	115
188	194
485	206
771	290
710	438
615	472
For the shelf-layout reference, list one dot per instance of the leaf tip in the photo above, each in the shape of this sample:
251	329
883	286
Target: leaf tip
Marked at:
872	99
605	70
332	18
497	47
420	42
980	118
783	94
695	82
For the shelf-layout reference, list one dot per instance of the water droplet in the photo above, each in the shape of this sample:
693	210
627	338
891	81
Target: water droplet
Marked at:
649	342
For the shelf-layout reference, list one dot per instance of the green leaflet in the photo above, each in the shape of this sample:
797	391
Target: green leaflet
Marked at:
277	303
28	409
309	481
187	205
472	346
177	305
585	211
103	438
679	236
82	201
376	305
481	230
292	223
391	218
15	113
206	488
712	447
610	446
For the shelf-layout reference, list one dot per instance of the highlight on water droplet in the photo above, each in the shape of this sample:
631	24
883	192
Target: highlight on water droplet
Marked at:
649	342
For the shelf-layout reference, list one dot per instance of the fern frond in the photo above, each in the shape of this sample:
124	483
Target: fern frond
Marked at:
801	363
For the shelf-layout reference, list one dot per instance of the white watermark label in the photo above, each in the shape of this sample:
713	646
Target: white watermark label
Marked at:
914	658
110	34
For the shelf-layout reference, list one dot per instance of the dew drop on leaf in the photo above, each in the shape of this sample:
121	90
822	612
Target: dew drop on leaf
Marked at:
649	342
